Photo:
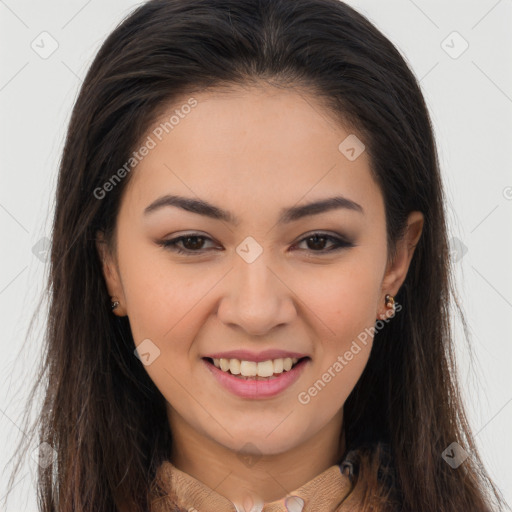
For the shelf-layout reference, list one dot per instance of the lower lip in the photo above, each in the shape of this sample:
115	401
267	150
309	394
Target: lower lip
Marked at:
252	388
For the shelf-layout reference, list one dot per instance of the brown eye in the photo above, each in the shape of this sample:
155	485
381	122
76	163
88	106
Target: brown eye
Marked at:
320	243
316	242
190	244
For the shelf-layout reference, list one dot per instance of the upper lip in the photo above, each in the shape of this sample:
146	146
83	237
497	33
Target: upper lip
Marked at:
247	355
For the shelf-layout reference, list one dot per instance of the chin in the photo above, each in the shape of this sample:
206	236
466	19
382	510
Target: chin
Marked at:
259	442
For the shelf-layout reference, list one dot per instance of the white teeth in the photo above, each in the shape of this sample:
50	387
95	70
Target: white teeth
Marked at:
253	369
248	368
278	366
234	366
265	368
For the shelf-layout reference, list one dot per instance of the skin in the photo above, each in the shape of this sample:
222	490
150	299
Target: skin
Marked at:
253	152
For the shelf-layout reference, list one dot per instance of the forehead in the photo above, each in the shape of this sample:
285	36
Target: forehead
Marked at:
250	146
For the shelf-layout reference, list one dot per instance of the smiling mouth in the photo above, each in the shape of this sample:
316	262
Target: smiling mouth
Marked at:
251	370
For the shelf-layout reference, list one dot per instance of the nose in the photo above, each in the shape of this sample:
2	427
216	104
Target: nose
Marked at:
256	298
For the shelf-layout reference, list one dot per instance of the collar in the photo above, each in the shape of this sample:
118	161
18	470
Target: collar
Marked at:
325	492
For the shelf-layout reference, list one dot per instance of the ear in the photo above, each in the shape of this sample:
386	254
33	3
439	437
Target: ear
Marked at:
396	271
110	273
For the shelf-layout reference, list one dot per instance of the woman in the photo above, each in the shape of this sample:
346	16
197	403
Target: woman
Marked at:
250	276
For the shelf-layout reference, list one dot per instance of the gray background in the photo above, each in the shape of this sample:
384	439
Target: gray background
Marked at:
469	94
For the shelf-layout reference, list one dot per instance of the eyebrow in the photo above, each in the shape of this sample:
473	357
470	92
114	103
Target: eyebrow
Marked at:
287	215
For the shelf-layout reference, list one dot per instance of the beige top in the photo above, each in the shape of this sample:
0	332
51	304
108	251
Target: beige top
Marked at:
324	493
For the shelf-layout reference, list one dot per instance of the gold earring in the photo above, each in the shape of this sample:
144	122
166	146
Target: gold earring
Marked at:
390	301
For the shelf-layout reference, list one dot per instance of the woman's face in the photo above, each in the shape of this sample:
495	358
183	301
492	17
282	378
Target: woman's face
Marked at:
255	279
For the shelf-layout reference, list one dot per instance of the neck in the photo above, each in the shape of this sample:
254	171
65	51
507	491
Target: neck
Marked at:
247	477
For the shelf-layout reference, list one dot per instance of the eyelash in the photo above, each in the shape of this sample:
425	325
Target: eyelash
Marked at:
339	243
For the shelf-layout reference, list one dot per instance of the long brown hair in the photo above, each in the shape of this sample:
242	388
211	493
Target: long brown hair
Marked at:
102	413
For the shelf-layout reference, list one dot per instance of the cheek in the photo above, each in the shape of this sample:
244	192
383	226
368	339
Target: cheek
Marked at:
161	298
343	300
164	309
344	306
